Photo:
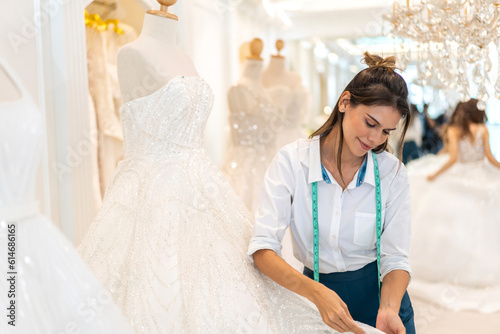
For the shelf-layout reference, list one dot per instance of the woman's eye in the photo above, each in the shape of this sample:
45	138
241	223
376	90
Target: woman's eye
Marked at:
369	125
387	133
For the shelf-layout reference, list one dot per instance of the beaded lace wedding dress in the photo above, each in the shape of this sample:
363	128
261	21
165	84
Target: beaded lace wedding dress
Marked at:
294	106
255	124
52	289
170	239
455	247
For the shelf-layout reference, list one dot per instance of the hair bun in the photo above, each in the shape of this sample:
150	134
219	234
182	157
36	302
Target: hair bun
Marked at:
377	61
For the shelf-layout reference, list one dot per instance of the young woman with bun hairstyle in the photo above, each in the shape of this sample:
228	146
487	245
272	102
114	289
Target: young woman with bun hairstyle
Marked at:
331	190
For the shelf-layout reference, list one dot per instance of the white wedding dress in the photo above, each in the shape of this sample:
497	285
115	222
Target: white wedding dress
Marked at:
170	239
255	127
54	291
455	247
294	108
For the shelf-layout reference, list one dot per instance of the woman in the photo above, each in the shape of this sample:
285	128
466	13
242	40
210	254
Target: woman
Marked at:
455	216
338	161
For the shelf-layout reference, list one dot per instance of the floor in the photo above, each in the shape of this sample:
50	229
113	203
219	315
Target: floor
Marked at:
434	319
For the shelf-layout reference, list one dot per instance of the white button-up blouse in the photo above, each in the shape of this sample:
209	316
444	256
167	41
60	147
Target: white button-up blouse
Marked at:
346	219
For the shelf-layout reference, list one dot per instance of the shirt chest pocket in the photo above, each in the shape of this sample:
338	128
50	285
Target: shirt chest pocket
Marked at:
365	225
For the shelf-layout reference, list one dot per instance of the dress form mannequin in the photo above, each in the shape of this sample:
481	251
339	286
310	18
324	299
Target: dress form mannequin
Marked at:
9	91
254	124
142	71
277	74
293	101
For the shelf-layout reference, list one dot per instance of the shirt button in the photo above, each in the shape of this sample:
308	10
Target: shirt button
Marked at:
337	213
334	237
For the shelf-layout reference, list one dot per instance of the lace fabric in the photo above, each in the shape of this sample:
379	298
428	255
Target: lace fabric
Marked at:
470	151
254	134
170	240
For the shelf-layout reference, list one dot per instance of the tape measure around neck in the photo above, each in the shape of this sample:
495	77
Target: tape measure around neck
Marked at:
378	203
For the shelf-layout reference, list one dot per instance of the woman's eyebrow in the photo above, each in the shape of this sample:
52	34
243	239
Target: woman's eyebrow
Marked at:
378	122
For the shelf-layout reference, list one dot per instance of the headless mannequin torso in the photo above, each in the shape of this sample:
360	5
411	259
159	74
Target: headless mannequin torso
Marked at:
153	59
250	79
276	73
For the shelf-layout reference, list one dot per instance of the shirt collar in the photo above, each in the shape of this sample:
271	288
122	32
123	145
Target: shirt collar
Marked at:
316	167
315	173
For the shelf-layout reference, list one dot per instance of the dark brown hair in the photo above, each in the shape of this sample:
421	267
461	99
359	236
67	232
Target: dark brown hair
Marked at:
465	114
377	85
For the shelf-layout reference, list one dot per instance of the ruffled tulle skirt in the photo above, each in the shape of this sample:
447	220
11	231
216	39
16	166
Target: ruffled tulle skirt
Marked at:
170	243
54	291
455	247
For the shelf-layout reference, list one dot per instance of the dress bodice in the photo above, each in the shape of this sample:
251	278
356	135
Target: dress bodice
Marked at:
255	123
293	103
20	149
172	117
470	151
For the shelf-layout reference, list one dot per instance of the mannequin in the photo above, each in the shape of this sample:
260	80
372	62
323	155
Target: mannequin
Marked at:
9	91
277	74
141	71
293	102
254	123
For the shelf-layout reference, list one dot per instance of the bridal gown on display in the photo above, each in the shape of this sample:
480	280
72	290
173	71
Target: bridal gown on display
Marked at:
54	291
170	239
456	231
294	104
255	127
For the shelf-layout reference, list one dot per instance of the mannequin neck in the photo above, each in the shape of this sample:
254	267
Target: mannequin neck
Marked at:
162	29
251	72
277	65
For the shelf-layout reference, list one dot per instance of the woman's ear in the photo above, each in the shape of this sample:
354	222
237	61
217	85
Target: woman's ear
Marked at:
344	100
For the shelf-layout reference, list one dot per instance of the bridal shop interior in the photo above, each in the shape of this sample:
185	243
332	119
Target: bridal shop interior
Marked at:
275	70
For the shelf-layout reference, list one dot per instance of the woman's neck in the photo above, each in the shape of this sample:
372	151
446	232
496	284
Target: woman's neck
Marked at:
162	29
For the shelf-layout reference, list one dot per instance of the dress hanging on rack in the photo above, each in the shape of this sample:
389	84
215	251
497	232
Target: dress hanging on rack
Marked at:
104	38
54	290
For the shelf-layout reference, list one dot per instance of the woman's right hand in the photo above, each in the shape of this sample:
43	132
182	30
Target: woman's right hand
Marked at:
333	310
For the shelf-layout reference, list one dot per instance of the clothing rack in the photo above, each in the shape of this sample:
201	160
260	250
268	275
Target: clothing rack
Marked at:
95	21
109	7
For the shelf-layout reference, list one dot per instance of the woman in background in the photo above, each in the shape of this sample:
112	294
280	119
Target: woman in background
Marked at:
455	210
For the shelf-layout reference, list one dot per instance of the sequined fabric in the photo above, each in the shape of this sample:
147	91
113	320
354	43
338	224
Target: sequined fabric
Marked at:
294	105
254	132
469	151
171	237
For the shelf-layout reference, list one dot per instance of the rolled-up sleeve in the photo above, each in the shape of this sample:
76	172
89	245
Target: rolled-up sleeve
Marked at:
395	238
273	214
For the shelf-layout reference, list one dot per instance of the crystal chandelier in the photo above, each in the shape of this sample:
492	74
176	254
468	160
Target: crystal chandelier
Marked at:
452	40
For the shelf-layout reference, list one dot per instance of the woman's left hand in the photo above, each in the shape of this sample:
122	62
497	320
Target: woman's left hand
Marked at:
389	322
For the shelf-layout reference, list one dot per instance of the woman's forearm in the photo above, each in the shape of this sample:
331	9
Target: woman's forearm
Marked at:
282	273
393	289
447	165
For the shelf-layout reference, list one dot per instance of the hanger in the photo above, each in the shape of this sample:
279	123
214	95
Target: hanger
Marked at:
96	22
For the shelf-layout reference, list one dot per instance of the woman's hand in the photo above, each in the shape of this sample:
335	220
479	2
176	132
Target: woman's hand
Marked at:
333	310
389	322
431	177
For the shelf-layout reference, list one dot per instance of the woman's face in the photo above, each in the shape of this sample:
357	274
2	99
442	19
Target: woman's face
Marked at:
366	127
